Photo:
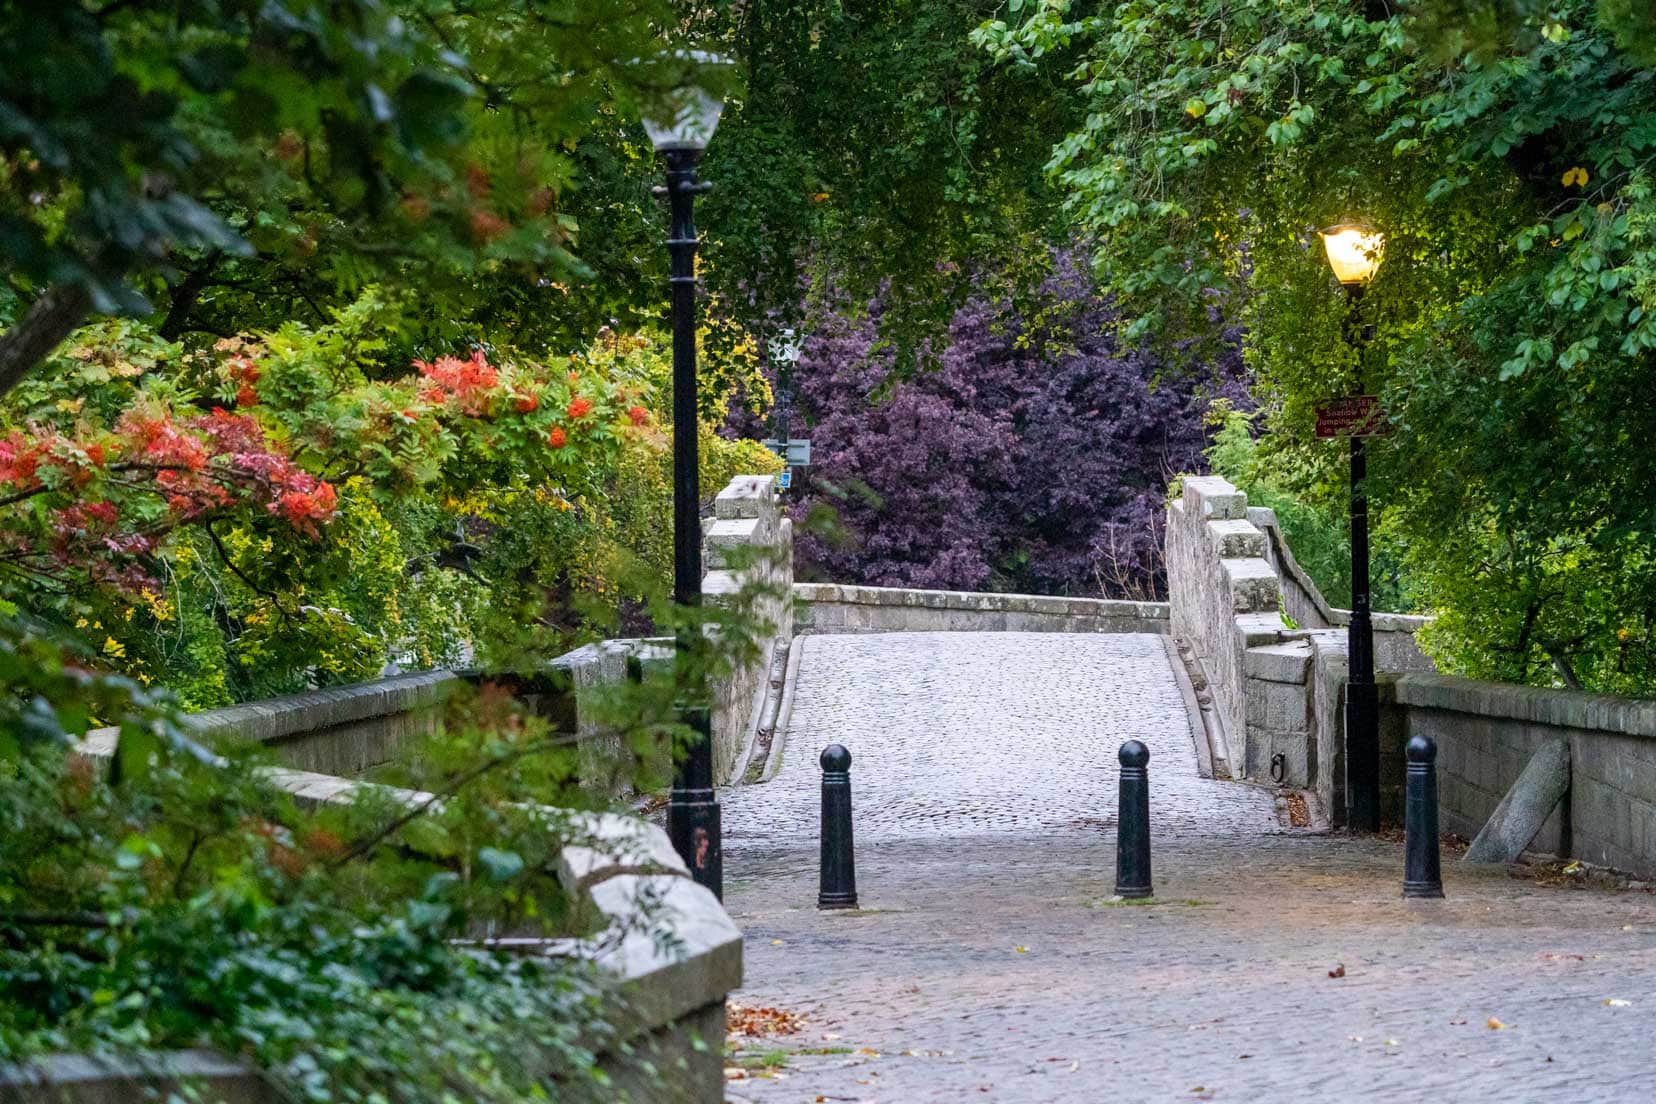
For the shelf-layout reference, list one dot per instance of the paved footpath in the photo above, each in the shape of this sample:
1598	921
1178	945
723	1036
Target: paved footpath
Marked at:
989	963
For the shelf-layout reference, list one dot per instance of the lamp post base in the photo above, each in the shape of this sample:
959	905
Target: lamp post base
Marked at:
693	826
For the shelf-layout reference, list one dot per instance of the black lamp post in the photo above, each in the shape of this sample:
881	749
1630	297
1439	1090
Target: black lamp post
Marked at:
693	812
1354	254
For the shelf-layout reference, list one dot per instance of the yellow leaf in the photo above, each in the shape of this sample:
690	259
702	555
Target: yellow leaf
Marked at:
1195	108
1496	1025
1576	176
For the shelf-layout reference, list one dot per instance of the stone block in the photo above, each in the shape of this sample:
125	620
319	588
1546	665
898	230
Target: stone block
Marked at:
1278	662
1540	786
1212	498
1236	539
724	537
1253	585
746	496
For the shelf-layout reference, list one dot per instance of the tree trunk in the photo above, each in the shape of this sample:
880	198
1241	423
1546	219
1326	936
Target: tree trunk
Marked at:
50	319
186	295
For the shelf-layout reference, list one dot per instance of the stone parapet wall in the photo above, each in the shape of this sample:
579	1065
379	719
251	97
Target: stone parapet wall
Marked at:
749	555
1486	733
839	608
669	946
1394	633
339	730
1225	602
1280	679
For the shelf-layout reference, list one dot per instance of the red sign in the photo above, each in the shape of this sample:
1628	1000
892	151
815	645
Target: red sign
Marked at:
1357	416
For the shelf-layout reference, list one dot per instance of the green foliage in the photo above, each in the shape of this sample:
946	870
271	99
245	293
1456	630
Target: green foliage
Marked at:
1512	315
188	904
872	143
500	509
325	144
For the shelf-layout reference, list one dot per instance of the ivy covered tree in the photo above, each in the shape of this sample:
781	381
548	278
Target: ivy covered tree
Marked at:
1512	315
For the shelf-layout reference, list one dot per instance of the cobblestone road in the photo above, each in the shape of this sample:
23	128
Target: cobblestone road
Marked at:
988	962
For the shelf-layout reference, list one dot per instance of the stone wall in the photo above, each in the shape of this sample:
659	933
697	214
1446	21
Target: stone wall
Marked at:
1486	733
838	608
1394	633
668	944
1224	601
340	730
1280	680
748	554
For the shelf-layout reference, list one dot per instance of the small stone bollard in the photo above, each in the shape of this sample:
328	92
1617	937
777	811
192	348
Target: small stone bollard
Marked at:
838	886
1133	823
1422	870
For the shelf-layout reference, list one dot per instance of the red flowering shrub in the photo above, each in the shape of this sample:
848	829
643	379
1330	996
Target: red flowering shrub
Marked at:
579	407
557	438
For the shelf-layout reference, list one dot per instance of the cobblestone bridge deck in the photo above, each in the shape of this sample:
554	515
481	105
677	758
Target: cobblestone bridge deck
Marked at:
988	962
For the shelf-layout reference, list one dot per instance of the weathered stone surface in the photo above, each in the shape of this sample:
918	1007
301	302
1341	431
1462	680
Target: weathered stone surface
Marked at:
827	607
1278	662
988	962
1526	806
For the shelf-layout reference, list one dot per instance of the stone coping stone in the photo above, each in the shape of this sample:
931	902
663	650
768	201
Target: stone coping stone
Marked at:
1215	498
745	496
83	1079
319	710
978	601
1532	704
1278	662
683	957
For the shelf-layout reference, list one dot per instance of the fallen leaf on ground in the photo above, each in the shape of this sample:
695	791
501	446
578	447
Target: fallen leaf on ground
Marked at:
1496	1025
735	1073
753	1020
1617	1002
869	1051
1021	950
1338	971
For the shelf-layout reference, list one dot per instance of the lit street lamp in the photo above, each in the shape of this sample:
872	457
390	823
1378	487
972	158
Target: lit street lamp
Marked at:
1354	253
680	134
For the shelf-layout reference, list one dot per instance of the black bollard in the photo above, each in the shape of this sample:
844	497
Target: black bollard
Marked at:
1422	871
838	887
1133	823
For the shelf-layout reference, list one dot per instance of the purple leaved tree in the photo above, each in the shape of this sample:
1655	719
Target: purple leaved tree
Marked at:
1032	456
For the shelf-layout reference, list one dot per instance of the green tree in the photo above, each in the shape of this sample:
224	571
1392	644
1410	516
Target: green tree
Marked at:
276	154
1512	314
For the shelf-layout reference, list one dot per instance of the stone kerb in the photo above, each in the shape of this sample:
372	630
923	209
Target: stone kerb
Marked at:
842	608
669	945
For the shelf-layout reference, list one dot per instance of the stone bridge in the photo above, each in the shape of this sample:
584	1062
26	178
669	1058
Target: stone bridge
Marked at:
988	960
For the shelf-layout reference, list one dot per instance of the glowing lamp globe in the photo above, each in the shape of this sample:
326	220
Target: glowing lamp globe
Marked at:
1354	252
